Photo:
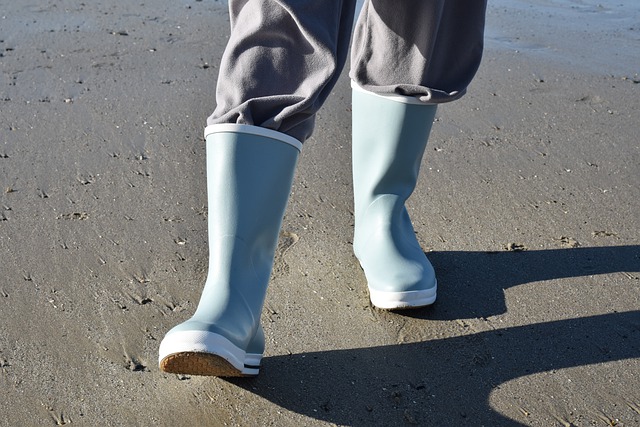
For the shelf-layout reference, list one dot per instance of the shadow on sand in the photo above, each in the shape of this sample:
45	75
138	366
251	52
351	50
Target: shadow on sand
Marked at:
449	381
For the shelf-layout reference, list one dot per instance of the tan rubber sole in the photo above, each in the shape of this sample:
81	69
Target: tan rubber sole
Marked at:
192	363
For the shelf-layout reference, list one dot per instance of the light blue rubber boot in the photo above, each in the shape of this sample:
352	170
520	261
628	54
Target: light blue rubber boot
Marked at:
390	135
249	176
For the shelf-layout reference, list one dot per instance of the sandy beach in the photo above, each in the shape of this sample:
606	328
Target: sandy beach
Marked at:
528	206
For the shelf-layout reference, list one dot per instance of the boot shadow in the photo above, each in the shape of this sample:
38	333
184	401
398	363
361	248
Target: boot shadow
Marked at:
472	284
449	381
441	382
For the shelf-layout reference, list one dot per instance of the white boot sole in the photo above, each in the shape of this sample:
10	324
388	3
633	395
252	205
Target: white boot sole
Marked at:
206	353
402	300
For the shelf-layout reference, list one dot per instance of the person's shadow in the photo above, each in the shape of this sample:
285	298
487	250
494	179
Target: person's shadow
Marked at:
449	381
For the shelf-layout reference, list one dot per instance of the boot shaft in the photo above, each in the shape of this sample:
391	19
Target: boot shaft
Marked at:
389	139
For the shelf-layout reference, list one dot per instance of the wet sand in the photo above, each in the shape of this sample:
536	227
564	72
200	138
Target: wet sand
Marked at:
527	203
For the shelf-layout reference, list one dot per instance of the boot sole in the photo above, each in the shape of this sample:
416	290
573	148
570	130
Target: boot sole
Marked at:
206	353
402	300
190	363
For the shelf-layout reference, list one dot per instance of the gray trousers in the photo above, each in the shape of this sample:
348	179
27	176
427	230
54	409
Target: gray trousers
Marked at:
284	56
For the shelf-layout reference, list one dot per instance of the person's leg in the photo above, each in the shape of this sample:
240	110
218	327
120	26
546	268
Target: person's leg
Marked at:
435	49
281	62
425	49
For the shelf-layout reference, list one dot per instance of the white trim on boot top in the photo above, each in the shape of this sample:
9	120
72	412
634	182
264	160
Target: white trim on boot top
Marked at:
403	99
253	130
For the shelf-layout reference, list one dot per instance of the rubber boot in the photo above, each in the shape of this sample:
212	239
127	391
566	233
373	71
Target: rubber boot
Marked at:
249	176
390	135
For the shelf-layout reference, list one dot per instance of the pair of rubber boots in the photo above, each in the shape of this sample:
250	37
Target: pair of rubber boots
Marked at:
249	176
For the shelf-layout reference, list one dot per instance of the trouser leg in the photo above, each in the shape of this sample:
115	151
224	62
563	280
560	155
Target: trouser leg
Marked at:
283	57
426	49
281	62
